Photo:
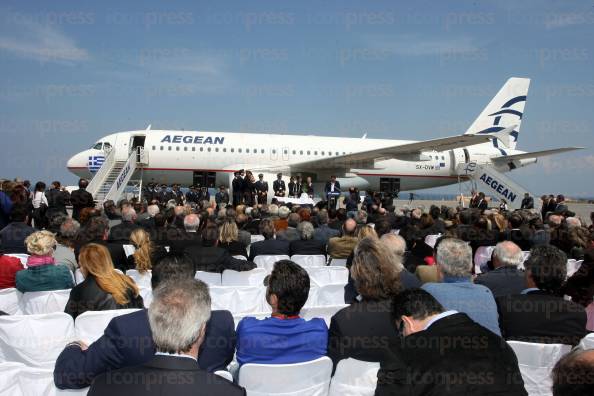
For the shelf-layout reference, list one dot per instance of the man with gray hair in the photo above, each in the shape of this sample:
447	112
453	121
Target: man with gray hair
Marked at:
323	233
397	247
66	237
306	244
456	291
290	233
506	278
121	232
177	317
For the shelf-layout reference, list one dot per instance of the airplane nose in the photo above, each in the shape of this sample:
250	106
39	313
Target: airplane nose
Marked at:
77	164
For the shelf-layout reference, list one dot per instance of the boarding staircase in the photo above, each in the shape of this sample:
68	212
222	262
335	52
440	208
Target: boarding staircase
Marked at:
114	176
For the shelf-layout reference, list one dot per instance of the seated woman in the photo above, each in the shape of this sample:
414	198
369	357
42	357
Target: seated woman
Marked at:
103	287
145	255
229	239
284	338
42	273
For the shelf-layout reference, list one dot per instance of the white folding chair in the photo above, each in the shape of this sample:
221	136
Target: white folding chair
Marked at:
253	277
327	275
240	257
44	301
312	297
331	294
354	378
481	258
33	381
325	313
536	361
306	379
267	261
147	295
256	238
78	276
20	256
239	299
141	280
210	278
587	342
336	262
35	340
90	325
10	301
224	374
573	266
309	260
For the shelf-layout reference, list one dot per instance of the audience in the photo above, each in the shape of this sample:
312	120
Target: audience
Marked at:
178	320
145	252
66	238
103	287
121	232
323	233
456	290
505	278
306	244
229	239
12	237
573	374
270	245
341	247
445	353
42	273
540	313
284	337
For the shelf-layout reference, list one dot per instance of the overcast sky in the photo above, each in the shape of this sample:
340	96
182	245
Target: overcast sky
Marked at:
73	71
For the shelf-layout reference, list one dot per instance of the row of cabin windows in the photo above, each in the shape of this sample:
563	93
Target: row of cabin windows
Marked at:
247	150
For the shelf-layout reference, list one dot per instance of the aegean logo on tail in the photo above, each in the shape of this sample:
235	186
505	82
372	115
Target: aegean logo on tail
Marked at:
191	139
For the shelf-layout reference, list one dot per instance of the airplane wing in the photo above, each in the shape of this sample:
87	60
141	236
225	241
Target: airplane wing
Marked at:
366	159
534	154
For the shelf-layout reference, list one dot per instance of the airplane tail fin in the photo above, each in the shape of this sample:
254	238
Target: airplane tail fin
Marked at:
503	112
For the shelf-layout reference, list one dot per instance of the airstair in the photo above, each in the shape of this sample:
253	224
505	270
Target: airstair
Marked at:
113	177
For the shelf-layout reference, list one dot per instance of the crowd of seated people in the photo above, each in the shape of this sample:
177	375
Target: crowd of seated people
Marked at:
392	264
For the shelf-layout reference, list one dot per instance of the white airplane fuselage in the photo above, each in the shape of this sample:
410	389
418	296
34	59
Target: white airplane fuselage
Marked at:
187	156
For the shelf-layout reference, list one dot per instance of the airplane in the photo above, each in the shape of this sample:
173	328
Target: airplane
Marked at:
384	165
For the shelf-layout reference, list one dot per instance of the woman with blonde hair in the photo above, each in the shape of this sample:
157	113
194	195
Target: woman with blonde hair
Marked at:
42	273
229	239
103	288
146	253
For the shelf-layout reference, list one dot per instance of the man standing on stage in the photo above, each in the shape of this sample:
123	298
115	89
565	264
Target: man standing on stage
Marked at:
262	189
332	191
237	186
279	186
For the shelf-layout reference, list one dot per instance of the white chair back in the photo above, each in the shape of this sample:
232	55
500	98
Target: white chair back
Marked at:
267	261
78	276
326	275
44	301
141	280
147	295
10	301
33	381
481	258
224	374
587	342
306	379
8	372
536	362
253	277
35	340
573	266
309	260
430	240
240	257
239	299
354	378
256	238
20	256
331	294
338	262
210	278
90	325
325	313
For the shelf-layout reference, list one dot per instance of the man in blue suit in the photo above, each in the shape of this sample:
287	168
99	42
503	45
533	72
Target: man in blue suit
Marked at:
127	340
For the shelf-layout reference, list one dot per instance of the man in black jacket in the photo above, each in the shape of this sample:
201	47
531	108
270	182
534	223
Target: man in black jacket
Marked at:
57	199
506	278
269	246
527	202
81	199
539	313
178	319
279	186
121	232
445	353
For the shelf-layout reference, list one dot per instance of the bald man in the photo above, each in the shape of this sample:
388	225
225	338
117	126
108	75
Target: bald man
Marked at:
342	247
574	374
505	279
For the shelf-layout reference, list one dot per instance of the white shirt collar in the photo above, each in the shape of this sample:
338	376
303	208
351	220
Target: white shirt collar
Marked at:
440	316
176	355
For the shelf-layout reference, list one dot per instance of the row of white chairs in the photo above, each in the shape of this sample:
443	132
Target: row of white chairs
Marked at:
319	276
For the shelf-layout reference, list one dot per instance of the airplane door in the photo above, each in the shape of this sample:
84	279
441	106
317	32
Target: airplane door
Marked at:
137	141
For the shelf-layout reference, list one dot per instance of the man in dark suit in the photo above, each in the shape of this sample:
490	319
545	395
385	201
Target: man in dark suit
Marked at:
279	186
482	201
261	189
539	313
290	233
269	246
12	237
57	199
527	202
561	206
237	186
222	196
178	319
96	231
323	233
505	279
445	353
81	199
332	192
127	340
121	232
306	244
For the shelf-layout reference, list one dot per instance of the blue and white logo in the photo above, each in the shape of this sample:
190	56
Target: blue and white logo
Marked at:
95	162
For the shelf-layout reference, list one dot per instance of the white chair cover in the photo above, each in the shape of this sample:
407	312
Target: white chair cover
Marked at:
78	276
224	374
32	381
210	278
239	299
256	238
267	261
10	301
325	313
253	277
20	256
327	275
35	340
587	342
147	295
573	266
332	294
300	379
44	301
430	240
481	258
8	372
312	297
142	280
240	257
338	262
354	378
309	260
536	362
90	325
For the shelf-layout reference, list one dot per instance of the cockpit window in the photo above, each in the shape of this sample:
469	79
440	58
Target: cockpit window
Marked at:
106	146
97	146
